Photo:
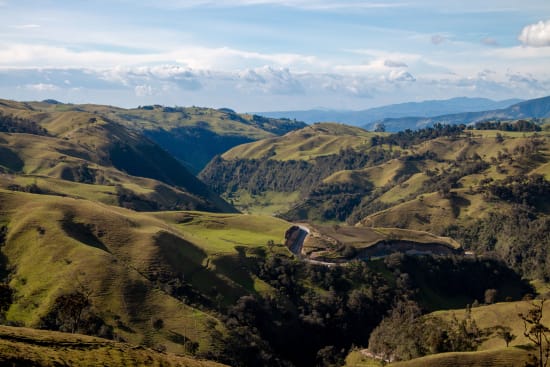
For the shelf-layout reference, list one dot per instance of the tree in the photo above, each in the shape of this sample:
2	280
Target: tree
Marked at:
67	312
6	298
506	335
490	296
379	127
538	333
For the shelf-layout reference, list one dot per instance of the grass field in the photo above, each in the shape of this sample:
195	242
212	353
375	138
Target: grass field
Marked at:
357	359
305	144
223	233
266	203
31	347
59	243
510	357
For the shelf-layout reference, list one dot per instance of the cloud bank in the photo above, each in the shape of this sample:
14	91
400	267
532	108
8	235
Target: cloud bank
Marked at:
536	35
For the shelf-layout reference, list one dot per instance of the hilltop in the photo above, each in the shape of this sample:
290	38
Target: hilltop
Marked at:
193	135
82	154
445	180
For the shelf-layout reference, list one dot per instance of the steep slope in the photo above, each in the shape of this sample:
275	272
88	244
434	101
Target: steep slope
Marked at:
274	173
193	135
346	174
487	189
84	148
534	108
136	267
31	347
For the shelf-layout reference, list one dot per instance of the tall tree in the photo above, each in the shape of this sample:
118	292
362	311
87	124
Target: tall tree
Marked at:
538	333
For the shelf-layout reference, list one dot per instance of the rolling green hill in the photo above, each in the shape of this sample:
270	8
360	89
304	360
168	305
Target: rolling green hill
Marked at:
103	232
193	135
149	263
486	189
81	147
345	174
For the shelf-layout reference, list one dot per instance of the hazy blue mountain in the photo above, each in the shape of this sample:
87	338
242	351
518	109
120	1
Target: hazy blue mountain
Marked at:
418	109
533	108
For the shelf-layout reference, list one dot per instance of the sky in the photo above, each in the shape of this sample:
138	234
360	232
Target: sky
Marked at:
266	55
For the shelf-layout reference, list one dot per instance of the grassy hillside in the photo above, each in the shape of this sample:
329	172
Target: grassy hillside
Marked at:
55	245
83	148
492	351
193	135
31	347
425	180
305	144
492	358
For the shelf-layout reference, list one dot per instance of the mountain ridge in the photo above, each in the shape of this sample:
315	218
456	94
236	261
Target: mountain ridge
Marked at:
365	117
533	108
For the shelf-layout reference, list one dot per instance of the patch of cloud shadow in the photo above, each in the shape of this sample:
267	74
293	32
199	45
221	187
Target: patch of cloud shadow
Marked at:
536	35
395	64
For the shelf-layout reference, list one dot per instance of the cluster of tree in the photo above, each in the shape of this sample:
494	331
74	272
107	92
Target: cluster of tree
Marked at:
532	190
300	325
330	202
405	334
317	313
519	125
278	126
408	138
14	124
261	175
72	312
444	180
519	237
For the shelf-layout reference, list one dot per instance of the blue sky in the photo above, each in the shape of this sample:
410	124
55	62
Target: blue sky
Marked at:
260	55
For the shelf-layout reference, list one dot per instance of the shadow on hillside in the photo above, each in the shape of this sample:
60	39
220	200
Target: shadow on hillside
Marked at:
81	232
3	258
457	203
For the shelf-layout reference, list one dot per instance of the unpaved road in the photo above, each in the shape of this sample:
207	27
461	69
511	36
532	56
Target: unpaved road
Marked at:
296	247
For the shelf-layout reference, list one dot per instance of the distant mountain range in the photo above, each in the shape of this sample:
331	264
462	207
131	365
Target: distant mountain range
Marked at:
533	108
418	109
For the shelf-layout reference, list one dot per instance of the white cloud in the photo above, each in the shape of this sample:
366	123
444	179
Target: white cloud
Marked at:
144	90
41	87
26	26
270	80
536	35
